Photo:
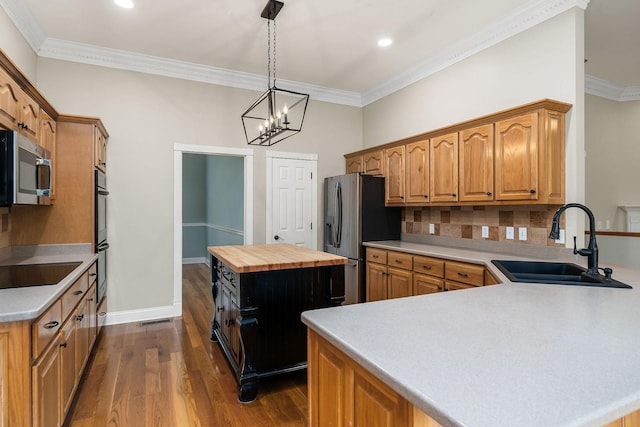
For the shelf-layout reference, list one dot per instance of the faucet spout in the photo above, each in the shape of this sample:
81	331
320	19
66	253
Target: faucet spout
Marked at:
591	252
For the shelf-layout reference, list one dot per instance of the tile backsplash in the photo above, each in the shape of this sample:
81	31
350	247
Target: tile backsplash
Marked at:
466	222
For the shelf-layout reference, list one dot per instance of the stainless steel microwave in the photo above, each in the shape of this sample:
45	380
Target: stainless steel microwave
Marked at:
25	171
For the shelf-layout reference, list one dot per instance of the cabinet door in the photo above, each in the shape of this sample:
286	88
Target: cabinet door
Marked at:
516	164
29	123
423	284
10	94
46	388
399	283
373	163
92	298
443	165
417	172
376	282
100	150
82	335
394	182
328	383
68	370
476	164
354	164
375	404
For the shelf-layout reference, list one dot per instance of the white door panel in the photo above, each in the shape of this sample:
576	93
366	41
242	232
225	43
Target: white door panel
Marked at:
292	190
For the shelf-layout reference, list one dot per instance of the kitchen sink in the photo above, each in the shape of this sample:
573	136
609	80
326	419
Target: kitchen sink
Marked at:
555	273
26	275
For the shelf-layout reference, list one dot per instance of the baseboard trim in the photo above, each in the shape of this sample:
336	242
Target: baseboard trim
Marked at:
129	316
196	260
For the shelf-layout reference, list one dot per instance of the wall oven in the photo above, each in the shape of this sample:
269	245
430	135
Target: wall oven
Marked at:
25	171
101	230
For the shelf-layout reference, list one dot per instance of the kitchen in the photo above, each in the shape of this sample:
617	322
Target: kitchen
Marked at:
135	107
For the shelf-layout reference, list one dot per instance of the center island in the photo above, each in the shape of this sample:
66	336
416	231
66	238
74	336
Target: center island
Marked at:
259	293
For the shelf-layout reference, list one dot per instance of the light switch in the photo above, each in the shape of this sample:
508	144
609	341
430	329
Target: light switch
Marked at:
522	233
509	233
485	231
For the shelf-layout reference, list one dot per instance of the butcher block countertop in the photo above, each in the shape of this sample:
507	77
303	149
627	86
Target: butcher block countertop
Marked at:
282	256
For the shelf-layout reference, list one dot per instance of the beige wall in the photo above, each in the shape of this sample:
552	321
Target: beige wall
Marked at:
16	48
545	61
612	140
145	116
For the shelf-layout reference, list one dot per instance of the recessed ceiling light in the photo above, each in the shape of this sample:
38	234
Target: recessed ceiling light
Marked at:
384	42
127	4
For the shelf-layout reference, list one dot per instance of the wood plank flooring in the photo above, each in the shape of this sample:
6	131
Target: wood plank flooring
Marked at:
170	374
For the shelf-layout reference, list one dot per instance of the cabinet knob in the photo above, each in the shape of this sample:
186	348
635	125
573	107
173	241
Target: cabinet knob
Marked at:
63	345
488	193
453	195
532	191
221	308
426	197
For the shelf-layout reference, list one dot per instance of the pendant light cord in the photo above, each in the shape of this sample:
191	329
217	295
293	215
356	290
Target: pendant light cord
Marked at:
269	53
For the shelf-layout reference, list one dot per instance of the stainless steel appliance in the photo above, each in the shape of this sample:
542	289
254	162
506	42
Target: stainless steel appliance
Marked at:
25	171
101	230
355	213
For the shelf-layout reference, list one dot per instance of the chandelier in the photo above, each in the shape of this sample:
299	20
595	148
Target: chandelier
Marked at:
278	113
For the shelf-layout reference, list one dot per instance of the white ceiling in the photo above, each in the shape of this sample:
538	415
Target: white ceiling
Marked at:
326	45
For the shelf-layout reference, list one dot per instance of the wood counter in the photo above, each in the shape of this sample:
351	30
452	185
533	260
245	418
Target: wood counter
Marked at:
259	293
254	258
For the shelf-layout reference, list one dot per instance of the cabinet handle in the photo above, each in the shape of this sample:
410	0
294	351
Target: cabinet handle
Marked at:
398	261
426	267
463	274
221	308
63	345
532	191
80	318
77	293
51	325
90	299
375	256
93	274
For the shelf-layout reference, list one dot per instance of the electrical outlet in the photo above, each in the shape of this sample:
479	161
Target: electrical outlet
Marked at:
522	233
485	231
509	233
561	238
432	228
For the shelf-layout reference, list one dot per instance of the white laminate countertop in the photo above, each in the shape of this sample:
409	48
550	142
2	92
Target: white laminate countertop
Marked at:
513	354
30	302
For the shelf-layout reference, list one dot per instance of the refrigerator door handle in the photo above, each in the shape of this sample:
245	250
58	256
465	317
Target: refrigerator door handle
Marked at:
338	239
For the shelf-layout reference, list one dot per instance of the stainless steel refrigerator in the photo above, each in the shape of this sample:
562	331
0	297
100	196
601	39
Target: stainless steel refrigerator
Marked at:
355	213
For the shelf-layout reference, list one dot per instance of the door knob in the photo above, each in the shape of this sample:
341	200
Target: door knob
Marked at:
276	237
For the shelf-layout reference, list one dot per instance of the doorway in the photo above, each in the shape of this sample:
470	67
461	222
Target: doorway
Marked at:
211	164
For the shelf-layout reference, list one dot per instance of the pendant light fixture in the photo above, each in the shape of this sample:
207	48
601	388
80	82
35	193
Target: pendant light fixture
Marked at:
278	113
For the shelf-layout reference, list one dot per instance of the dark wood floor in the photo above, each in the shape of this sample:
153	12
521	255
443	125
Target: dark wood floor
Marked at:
170	374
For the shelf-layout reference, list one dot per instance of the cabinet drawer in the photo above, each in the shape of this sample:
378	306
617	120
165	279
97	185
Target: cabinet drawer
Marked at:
400	260
457	286
74	294
472	274
45	328
428	265
423	284
377	255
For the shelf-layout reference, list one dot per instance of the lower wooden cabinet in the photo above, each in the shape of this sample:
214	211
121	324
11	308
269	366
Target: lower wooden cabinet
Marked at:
341	393
41	361
394	274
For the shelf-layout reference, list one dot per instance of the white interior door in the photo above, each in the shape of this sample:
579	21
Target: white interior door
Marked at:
292	201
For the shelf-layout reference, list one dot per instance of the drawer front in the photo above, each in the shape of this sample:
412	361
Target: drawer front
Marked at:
423	284
472	274
45	328
400	260
458	286
428	265
74	294
377	255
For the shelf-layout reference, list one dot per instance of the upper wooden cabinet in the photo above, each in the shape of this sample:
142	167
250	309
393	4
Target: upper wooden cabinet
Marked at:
47	138
373	163
516	156
417	172
443	163
100	149
10	99
475	165
354	164
394	182
29	122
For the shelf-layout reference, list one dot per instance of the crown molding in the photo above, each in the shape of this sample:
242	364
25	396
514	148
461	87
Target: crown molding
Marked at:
605	89
508	26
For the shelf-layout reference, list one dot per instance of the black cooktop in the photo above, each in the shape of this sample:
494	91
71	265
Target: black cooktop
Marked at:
19	276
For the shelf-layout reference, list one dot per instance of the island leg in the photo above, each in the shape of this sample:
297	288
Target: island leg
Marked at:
248	377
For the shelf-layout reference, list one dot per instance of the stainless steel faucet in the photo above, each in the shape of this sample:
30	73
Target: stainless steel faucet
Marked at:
591	252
